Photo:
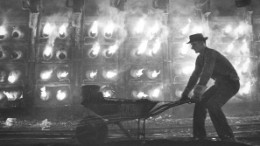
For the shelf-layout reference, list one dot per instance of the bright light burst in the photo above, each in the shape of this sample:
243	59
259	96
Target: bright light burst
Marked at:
48	50
136	73
12	95
142	47
156	47
139	94
139	28
3	30
95	50
152	74
155	93
44	94
112	49
61	95
63	29
46	75
14	76
48	29
109	29
93	74
94	29
111	74
228	29
62	74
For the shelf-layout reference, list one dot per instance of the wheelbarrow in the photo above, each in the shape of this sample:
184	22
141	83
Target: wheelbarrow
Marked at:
93	128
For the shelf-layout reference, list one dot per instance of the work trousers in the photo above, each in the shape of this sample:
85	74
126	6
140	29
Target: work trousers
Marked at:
212	100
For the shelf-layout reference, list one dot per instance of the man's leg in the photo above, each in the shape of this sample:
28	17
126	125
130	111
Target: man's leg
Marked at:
223	93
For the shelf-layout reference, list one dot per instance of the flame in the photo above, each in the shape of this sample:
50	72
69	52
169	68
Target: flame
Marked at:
62	74
12	95
95	49
113	49
156	47
45	95
45	75
48	51
3	30
94	28
139	26
137	73
140	94
111	74
107	93
10	122
13	76
142	47
61	95
109	29
48	28
228	29
155	93
93	74
63	29
185	29
155	74
45	124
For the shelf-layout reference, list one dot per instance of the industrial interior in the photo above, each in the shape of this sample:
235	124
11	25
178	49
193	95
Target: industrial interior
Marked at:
134	53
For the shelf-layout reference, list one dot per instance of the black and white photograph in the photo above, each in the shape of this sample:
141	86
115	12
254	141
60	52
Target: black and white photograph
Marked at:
129	72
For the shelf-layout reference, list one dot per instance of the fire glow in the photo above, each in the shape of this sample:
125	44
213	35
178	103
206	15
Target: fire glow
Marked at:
48	29
152	74
136	73
3	31
62	74
111	74
44	94
94	29
92	75
94	51
156	47
139	26
61	95
109	29
63	30
48	51
142	47
14	76
12	95
46	75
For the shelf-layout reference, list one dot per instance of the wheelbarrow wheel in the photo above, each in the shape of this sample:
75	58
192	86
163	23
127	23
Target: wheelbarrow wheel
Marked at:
91	130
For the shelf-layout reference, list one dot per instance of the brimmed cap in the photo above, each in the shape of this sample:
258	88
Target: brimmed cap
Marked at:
197	37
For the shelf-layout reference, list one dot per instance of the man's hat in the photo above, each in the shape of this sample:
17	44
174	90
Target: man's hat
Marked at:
197	37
